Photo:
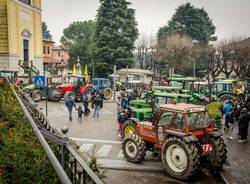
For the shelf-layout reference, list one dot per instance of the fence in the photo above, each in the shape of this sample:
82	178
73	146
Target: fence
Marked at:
68	165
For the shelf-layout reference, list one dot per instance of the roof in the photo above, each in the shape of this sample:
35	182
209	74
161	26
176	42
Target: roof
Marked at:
134	81
47	40
182	78
175	95
182	107
166	88
201	83
134	71
60	47
223	82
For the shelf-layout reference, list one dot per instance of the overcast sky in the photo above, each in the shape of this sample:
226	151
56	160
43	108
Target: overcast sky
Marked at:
231	17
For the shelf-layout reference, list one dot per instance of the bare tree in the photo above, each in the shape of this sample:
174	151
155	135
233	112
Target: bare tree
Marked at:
176	51
146	51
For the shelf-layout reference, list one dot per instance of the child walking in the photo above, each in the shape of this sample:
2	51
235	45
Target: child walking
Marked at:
122	117
80	112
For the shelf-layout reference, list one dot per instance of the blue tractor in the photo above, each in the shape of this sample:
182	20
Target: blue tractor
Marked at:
104	85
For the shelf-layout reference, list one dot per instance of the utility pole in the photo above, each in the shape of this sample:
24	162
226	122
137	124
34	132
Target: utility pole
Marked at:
194	68
114	85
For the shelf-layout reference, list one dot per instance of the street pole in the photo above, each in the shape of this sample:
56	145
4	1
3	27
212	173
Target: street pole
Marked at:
114	85
46	101
194	68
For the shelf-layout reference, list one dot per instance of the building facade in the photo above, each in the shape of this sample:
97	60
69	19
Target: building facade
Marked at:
20	33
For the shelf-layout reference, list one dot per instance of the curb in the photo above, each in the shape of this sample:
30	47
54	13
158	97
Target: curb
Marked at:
224	178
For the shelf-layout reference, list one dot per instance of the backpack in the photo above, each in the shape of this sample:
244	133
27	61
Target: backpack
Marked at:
69	102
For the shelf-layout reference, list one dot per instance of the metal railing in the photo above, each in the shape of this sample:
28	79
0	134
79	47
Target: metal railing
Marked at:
68	165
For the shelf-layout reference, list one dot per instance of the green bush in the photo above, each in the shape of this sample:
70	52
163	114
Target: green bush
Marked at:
21	155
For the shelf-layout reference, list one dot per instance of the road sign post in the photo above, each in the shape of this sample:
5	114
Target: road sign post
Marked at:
41	83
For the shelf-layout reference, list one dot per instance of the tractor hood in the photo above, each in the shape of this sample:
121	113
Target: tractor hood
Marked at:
66	85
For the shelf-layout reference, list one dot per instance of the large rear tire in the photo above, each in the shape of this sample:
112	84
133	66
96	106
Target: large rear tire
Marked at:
36	95
107	93
218	156
181	160
128	129
55	95
225	97
134	148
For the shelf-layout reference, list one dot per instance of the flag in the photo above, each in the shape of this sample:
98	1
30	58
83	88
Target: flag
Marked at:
86	73
74	70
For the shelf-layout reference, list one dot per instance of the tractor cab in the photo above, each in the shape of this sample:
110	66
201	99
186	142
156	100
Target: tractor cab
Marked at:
102	84
167	89
183	135
185	83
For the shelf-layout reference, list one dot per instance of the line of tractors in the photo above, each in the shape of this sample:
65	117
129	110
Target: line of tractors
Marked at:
173	121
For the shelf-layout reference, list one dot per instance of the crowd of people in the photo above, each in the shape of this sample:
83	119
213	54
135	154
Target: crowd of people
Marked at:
237	112
96	100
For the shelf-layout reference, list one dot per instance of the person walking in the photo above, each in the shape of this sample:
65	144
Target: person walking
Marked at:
227	107
97	105
118	105
229	125
243	125
85	101
122	117
124	102
69	104
80	113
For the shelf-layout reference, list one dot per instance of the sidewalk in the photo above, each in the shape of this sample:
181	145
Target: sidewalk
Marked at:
237	169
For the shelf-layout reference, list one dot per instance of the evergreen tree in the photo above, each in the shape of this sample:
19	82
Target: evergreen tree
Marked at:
192	21
116	32
46	32
79	38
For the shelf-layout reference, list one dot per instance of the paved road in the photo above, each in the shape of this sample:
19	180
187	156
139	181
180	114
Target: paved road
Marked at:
100	134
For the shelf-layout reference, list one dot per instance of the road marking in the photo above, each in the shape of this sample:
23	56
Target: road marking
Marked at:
96	140
85	147
105	149
120	154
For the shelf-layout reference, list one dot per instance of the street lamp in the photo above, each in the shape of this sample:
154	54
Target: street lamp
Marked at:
194	67
78	67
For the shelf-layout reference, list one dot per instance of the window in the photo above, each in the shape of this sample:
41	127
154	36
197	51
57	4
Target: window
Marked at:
48	50
26	1
44	49
26	50
59	54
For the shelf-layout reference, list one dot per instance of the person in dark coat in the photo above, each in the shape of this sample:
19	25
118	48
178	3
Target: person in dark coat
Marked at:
243	125
80	112
97	105
85	101
229	125
69	104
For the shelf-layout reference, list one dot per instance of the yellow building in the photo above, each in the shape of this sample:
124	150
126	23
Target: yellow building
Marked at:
20	33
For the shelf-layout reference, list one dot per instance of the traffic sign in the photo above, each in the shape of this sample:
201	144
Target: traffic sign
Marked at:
40	81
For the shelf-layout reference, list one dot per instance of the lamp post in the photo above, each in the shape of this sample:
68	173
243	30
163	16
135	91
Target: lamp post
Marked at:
78	67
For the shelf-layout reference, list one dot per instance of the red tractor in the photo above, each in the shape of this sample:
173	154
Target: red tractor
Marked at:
184	136
76	86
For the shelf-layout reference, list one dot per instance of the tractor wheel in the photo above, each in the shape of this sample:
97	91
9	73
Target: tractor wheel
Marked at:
128	129
225	97
88	90
134	148
107	93
55	95
181	160
69	93
36	95
218	156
